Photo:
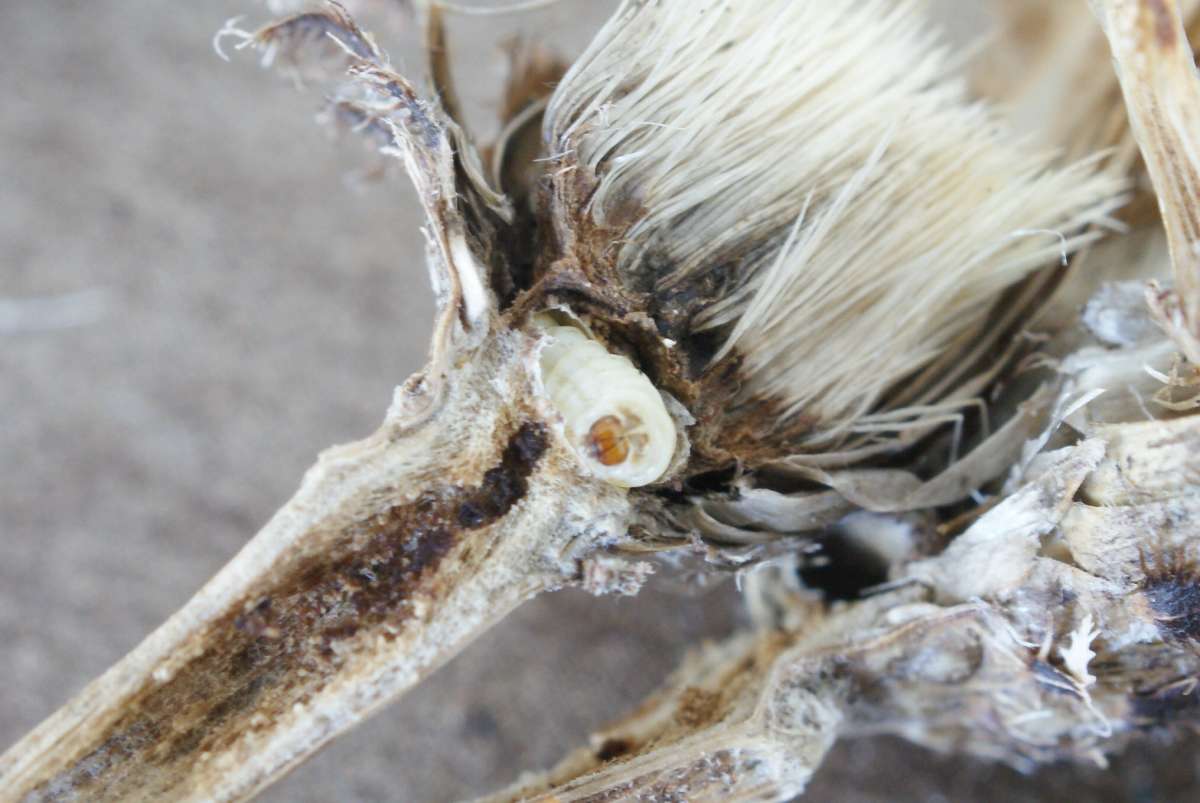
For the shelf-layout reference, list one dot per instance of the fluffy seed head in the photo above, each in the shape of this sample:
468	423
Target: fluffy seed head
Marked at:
805	185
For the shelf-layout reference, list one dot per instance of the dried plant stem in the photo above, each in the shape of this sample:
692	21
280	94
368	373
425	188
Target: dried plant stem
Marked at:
1162	96
707	216
987	648
732	724
395	552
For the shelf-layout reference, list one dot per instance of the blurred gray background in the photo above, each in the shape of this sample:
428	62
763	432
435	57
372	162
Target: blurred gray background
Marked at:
224	305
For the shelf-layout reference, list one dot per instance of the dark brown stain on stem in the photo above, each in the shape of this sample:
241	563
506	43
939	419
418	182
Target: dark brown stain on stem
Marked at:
282	647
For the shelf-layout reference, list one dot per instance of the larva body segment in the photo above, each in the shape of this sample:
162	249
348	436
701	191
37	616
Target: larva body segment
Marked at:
613	417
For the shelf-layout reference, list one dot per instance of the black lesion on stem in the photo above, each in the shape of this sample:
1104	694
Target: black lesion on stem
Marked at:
281	647
503	486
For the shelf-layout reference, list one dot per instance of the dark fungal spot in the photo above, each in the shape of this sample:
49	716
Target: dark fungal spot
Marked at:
1172	588
613	748
280	647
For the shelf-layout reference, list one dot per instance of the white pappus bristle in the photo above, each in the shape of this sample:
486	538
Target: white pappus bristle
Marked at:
826	156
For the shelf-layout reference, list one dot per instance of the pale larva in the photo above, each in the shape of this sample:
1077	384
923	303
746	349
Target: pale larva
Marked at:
613	417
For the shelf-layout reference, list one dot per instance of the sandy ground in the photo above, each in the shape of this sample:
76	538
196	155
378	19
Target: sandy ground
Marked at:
247	309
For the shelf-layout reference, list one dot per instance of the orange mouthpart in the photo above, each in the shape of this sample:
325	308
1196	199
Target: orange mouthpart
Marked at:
607	442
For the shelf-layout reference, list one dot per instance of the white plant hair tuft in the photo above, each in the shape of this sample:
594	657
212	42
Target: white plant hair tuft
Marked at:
821	163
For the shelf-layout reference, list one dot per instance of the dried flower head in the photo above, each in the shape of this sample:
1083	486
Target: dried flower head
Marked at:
760	261
806	192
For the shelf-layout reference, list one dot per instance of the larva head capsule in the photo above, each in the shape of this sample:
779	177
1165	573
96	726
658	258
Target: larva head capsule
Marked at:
613	416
